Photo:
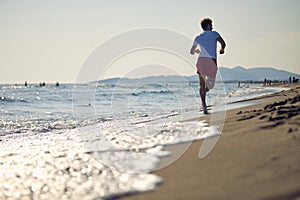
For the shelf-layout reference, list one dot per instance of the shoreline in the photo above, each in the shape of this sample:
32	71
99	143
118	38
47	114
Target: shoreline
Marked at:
256	157
57	164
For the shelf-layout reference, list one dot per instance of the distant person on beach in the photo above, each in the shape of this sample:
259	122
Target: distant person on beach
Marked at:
207	60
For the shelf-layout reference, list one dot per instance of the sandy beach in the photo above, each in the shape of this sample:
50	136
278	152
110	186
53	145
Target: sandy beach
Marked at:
257	156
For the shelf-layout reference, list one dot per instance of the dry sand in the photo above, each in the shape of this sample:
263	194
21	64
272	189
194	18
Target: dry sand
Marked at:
257	157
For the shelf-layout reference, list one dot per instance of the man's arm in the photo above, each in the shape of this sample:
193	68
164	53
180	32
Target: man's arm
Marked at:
223	44
194	50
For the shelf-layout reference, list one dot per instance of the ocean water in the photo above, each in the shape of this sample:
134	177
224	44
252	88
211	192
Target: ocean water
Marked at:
126	126
44	109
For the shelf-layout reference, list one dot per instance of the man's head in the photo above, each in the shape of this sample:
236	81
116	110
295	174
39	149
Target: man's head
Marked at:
206	24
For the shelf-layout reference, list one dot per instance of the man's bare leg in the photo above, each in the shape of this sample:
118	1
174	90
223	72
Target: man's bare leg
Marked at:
202	92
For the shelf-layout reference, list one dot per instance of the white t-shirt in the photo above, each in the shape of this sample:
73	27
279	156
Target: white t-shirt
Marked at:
208	44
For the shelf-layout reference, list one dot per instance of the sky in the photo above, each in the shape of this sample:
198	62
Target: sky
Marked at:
51	40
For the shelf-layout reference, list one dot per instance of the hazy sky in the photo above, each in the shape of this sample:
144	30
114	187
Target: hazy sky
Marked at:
50	40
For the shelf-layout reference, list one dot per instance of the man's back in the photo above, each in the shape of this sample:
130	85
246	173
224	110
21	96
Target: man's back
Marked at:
208	44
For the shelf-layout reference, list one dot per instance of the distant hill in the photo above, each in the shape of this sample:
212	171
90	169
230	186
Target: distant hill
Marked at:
149	80
227	74
254	74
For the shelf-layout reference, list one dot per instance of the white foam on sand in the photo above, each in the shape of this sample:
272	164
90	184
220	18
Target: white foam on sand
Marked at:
103	160
245	93
119	146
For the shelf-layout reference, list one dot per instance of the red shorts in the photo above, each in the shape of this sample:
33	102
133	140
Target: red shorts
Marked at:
207	67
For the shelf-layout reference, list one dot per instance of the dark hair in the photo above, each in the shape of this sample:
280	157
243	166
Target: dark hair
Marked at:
205	22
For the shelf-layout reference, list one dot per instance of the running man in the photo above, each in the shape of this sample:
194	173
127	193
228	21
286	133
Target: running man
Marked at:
207	61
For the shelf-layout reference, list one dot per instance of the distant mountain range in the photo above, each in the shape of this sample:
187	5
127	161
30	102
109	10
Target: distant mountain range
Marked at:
227	74
254	74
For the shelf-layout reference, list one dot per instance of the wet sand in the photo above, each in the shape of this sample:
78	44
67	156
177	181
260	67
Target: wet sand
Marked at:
257	156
